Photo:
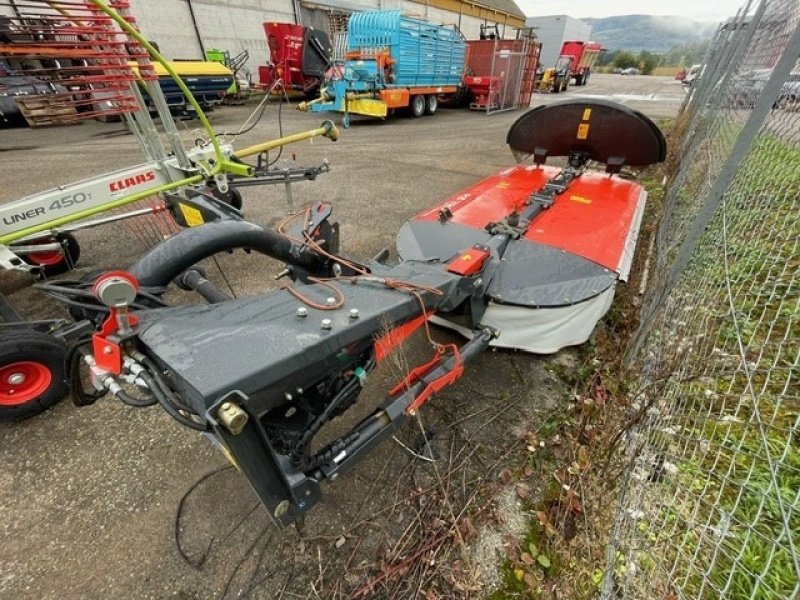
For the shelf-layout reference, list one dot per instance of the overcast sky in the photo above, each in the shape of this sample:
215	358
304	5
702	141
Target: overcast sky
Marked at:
699	10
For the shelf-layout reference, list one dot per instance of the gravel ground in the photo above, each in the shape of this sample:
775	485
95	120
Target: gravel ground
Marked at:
88	497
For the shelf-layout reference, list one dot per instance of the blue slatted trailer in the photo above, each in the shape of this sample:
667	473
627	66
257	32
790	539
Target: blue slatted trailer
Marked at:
393	61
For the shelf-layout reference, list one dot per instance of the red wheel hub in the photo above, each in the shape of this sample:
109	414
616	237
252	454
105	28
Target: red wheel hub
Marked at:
23	381
47	258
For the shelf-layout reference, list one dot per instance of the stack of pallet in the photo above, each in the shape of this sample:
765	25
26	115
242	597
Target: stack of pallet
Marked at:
44	109
70	61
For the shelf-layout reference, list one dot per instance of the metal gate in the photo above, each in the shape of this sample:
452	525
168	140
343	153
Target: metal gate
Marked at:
500	73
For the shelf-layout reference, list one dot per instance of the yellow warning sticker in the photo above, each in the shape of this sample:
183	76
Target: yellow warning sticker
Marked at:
504	184
583	131
587	114
192	216
580	199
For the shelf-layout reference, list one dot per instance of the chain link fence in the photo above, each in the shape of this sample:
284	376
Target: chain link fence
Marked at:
710	506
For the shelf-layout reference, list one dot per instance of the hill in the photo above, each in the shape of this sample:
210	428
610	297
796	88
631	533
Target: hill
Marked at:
648	32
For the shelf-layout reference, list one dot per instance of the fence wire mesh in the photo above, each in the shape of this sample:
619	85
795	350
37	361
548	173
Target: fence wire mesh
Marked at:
710	506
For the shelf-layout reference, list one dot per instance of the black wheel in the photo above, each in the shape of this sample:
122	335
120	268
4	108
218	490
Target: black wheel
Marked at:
418	106
579	79
32	373
234	198
431	104
54	262
586	76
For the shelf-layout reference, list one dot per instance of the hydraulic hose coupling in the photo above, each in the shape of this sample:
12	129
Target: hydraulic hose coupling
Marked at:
331	131
232	417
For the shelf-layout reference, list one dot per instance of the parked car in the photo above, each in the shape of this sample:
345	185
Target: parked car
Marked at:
746	87
694	72
790	92
630	71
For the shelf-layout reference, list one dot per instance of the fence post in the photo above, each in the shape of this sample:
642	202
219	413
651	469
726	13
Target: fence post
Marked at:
761	110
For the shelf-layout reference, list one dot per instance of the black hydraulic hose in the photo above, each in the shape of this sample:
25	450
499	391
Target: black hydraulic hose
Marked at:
135	402
78	395
299	448
163	391
171	410
193	279
171	257
154	372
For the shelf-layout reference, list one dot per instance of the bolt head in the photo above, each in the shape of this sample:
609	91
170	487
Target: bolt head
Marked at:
327	323
226	406
107	350
330	301
302	311
354	313
16	379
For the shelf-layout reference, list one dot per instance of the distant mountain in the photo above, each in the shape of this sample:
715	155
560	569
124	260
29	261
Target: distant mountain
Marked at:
648	32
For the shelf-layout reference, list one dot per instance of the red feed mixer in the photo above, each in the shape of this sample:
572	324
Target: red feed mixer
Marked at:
527	258
299	58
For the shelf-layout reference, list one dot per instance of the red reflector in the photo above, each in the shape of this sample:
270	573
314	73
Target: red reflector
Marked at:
468	262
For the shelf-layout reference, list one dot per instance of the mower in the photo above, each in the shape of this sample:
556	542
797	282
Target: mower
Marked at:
527	258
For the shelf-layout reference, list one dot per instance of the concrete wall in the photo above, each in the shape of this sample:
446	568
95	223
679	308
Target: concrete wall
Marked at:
553	30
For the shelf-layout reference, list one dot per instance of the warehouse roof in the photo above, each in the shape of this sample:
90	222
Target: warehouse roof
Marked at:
504	7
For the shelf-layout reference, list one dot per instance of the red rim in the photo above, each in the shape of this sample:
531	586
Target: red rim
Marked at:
23	381
47	258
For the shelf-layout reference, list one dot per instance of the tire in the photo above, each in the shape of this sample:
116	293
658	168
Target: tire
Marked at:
586	76
579	79
32	373
431	104
418	105
55	262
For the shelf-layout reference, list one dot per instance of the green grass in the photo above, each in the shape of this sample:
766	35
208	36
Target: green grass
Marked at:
730	479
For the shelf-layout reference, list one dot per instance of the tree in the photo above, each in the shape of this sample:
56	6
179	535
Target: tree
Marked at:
625	60
647	62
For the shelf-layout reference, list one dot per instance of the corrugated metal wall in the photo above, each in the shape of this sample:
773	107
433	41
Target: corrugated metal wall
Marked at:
235	25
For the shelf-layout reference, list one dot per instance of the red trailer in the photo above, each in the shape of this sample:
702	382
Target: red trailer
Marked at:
299	57
582	56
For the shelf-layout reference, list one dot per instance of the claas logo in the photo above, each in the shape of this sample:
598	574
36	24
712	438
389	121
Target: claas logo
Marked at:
122	184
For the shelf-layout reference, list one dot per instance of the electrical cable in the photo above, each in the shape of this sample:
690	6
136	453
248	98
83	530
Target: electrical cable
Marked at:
280	127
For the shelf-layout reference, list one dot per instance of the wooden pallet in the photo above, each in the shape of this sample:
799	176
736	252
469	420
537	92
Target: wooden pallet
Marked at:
44	111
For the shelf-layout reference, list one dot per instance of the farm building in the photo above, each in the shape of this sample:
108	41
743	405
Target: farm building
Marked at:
187	28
